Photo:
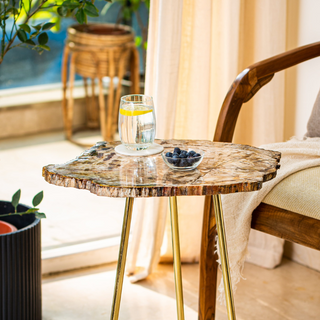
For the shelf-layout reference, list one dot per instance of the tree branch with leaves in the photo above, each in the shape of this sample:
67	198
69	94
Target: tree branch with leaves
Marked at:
21	16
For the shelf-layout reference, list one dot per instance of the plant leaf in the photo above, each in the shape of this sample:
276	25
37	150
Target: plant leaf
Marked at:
40	215
43	38
25	27
138	41
15	199
43	47
38	26
48	26
37	199
22	35
15	11
62	11
32	210
32	43
81	16
12	11
126	13
71	4
105	8
91	10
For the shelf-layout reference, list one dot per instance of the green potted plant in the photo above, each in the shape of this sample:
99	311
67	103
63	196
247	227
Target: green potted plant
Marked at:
18	21
127	10
20	263
20	27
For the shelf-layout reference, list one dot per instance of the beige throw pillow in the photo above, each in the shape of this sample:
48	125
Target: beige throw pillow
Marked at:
313	126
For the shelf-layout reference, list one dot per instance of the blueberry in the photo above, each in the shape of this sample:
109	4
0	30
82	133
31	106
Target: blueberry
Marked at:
170	160
197	155
177	150
175	161
184	163
191	153
169	154
182	155
191	161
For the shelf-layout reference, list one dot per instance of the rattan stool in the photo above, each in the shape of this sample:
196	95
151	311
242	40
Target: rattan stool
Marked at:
90	58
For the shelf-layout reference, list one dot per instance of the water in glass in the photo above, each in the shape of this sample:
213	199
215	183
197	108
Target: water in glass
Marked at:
137	122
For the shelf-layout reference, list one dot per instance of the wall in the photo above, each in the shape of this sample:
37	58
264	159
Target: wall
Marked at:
303	81
37	118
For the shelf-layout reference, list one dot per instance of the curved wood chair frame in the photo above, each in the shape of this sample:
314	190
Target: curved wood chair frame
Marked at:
266	218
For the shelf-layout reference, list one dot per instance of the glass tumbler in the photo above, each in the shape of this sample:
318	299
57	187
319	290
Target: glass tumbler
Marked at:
137	122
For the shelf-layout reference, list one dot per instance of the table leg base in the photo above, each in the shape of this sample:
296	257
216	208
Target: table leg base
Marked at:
122	259
224	256
176	256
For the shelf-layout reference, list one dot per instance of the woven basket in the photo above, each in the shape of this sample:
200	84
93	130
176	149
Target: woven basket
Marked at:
99	48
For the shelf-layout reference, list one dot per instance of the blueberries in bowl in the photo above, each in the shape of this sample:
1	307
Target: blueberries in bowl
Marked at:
183	160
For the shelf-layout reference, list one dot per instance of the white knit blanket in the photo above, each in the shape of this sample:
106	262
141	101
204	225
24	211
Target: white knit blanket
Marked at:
296	155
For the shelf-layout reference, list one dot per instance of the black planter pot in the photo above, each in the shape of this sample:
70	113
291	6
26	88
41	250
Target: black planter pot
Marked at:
20	267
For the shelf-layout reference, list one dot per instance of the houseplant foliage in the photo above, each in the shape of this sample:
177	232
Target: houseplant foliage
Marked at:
19	27
35	202
128	10
18	21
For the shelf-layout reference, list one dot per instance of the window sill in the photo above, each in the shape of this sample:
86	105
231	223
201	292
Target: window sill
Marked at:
45	93
80	255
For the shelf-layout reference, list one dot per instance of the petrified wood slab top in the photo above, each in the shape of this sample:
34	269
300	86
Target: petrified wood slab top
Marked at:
226	168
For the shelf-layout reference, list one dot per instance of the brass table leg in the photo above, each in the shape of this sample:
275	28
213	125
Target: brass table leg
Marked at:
224	256
176	256
122	259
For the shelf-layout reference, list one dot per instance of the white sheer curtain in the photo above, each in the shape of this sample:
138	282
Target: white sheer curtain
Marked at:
196	48
179	78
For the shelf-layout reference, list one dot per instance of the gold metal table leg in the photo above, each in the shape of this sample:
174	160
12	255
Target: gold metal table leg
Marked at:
176	256
224	256
122	259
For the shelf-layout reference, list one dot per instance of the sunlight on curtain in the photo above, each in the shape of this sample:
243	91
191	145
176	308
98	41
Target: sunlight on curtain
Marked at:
196	48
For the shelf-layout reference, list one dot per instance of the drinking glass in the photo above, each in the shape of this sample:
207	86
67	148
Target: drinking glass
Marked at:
137	122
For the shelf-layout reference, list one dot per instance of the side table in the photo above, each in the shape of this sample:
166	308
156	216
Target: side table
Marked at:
226	168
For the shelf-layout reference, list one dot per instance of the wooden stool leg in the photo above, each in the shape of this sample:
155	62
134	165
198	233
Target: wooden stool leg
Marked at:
117	99
102	109
64	76
70	101
110	95
208	264
176	256
92	108
134	67
88	109
122	259
224	256
110	109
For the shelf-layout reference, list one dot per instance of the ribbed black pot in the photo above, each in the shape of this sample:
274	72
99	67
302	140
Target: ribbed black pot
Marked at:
20	267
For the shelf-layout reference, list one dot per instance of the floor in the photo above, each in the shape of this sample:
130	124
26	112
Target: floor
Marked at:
289	292
67	209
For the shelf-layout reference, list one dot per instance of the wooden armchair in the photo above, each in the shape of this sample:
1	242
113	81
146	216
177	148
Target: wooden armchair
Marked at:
267	218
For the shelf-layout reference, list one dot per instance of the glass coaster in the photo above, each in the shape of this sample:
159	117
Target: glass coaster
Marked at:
153	149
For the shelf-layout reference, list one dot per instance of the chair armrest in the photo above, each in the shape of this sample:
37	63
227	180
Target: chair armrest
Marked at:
249	82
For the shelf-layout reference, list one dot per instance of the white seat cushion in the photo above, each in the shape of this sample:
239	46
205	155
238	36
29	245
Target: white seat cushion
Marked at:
299	192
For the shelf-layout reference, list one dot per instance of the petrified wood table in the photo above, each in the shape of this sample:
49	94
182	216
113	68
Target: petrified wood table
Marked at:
226	168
